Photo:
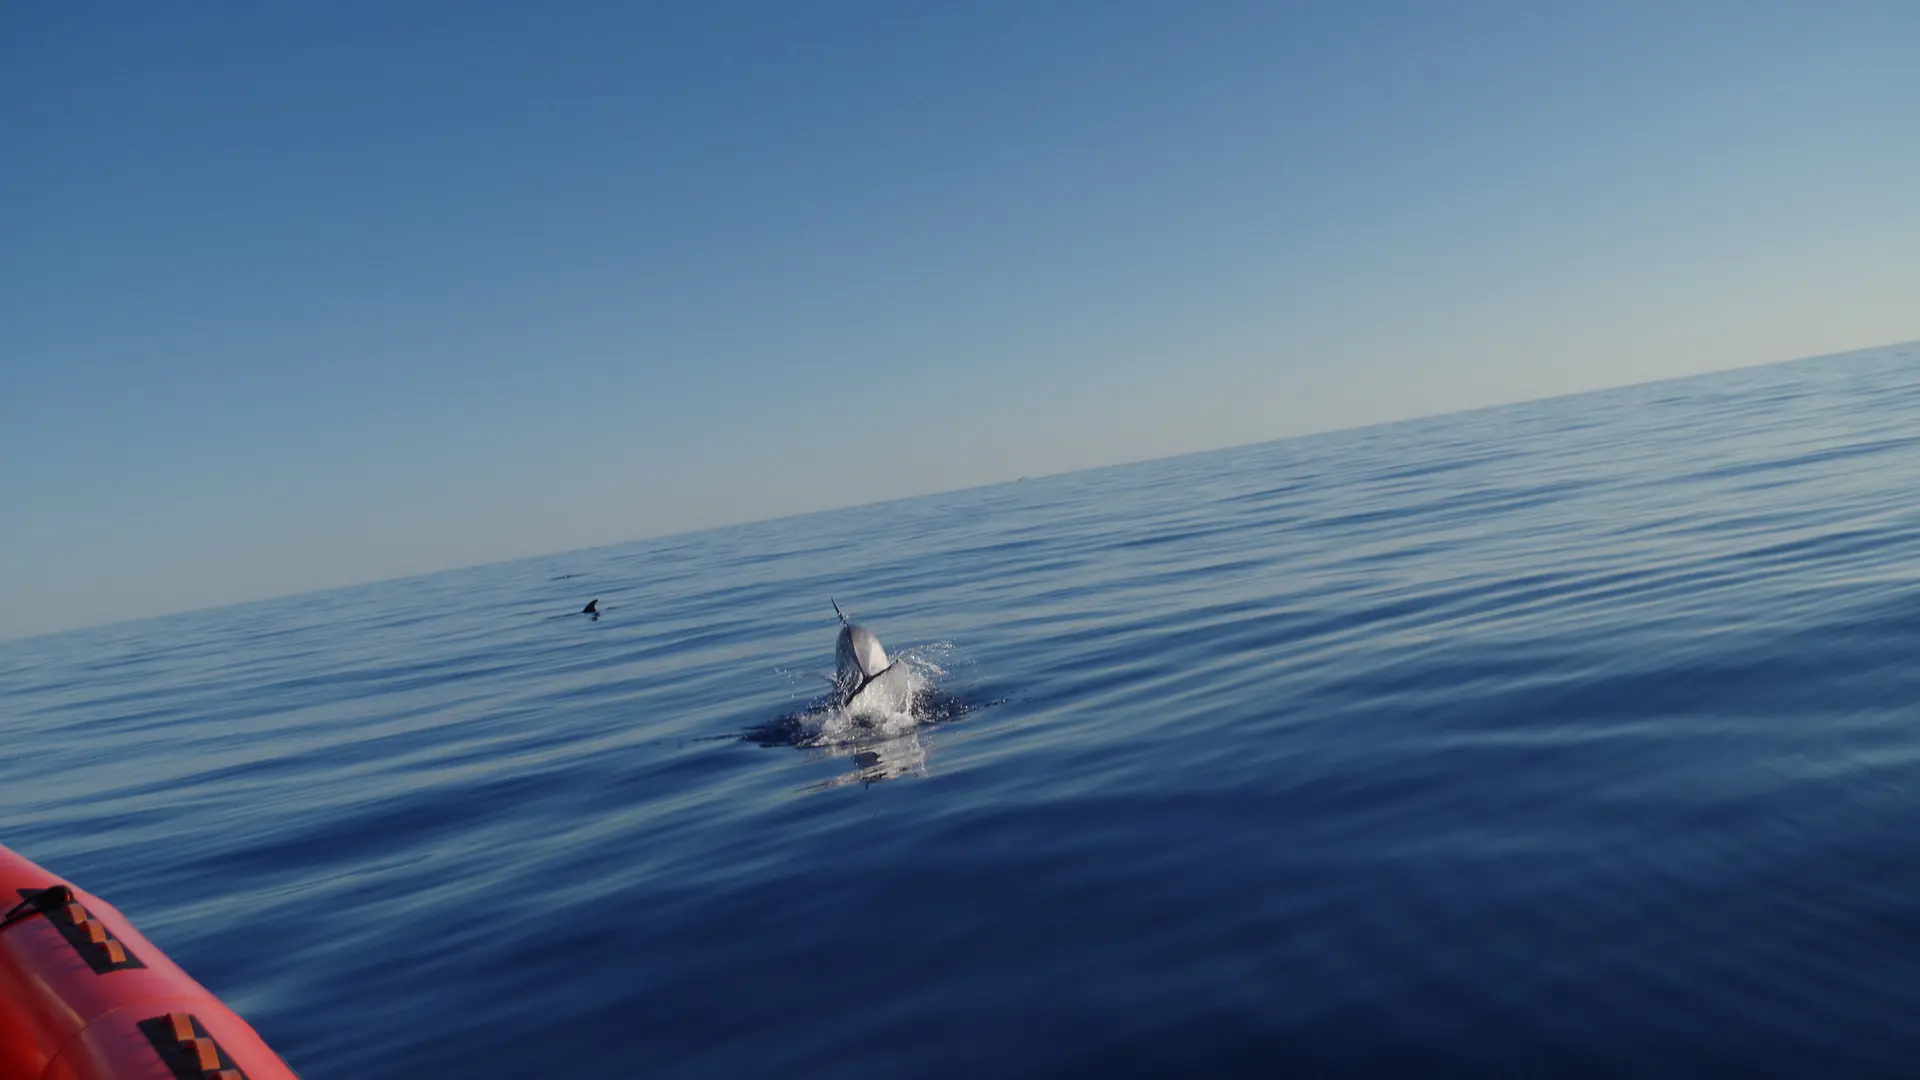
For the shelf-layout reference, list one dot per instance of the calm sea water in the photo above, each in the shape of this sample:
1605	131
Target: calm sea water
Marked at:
1579	737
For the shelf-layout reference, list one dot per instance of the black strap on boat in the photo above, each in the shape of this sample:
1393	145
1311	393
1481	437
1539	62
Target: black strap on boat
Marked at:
89	936
39	903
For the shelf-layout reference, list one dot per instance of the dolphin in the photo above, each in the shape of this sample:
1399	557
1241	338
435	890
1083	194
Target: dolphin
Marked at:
592	608
858	658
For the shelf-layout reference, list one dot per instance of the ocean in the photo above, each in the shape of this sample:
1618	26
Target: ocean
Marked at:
1571	738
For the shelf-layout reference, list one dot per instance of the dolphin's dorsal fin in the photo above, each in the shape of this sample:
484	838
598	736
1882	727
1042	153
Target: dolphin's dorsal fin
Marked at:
592	608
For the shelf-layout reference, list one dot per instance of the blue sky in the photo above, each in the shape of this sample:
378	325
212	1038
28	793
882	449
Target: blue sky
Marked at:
294	296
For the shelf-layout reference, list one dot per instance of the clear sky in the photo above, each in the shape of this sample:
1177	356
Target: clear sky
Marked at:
299	295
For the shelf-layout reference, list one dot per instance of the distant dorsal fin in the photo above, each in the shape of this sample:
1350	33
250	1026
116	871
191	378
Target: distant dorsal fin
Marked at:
592	608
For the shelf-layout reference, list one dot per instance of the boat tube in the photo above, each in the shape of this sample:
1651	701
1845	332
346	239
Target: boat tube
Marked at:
83	996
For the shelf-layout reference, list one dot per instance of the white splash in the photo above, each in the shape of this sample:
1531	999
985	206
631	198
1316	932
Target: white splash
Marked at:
879	730
888	706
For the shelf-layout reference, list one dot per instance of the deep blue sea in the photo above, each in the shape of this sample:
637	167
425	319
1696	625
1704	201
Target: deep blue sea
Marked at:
1572	738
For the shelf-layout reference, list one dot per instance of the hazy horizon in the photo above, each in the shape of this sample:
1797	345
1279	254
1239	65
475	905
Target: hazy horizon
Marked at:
298	298
717	526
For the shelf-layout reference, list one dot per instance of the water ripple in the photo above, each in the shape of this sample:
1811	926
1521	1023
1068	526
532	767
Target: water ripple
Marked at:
1568	738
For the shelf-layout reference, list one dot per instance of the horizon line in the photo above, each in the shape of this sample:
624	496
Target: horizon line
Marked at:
720	526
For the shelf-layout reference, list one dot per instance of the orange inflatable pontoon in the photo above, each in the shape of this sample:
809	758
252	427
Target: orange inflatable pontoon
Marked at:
84	997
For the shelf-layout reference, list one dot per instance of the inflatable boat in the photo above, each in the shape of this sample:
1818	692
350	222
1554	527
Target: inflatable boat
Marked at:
84	997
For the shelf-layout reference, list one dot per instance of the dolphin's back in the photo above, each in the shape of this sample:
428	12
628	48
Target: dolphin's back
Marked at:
861	649
858	657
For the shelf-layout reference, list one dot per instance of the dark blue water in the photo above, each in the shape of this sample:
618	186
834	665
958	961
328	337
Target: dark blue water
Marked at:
1579	737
